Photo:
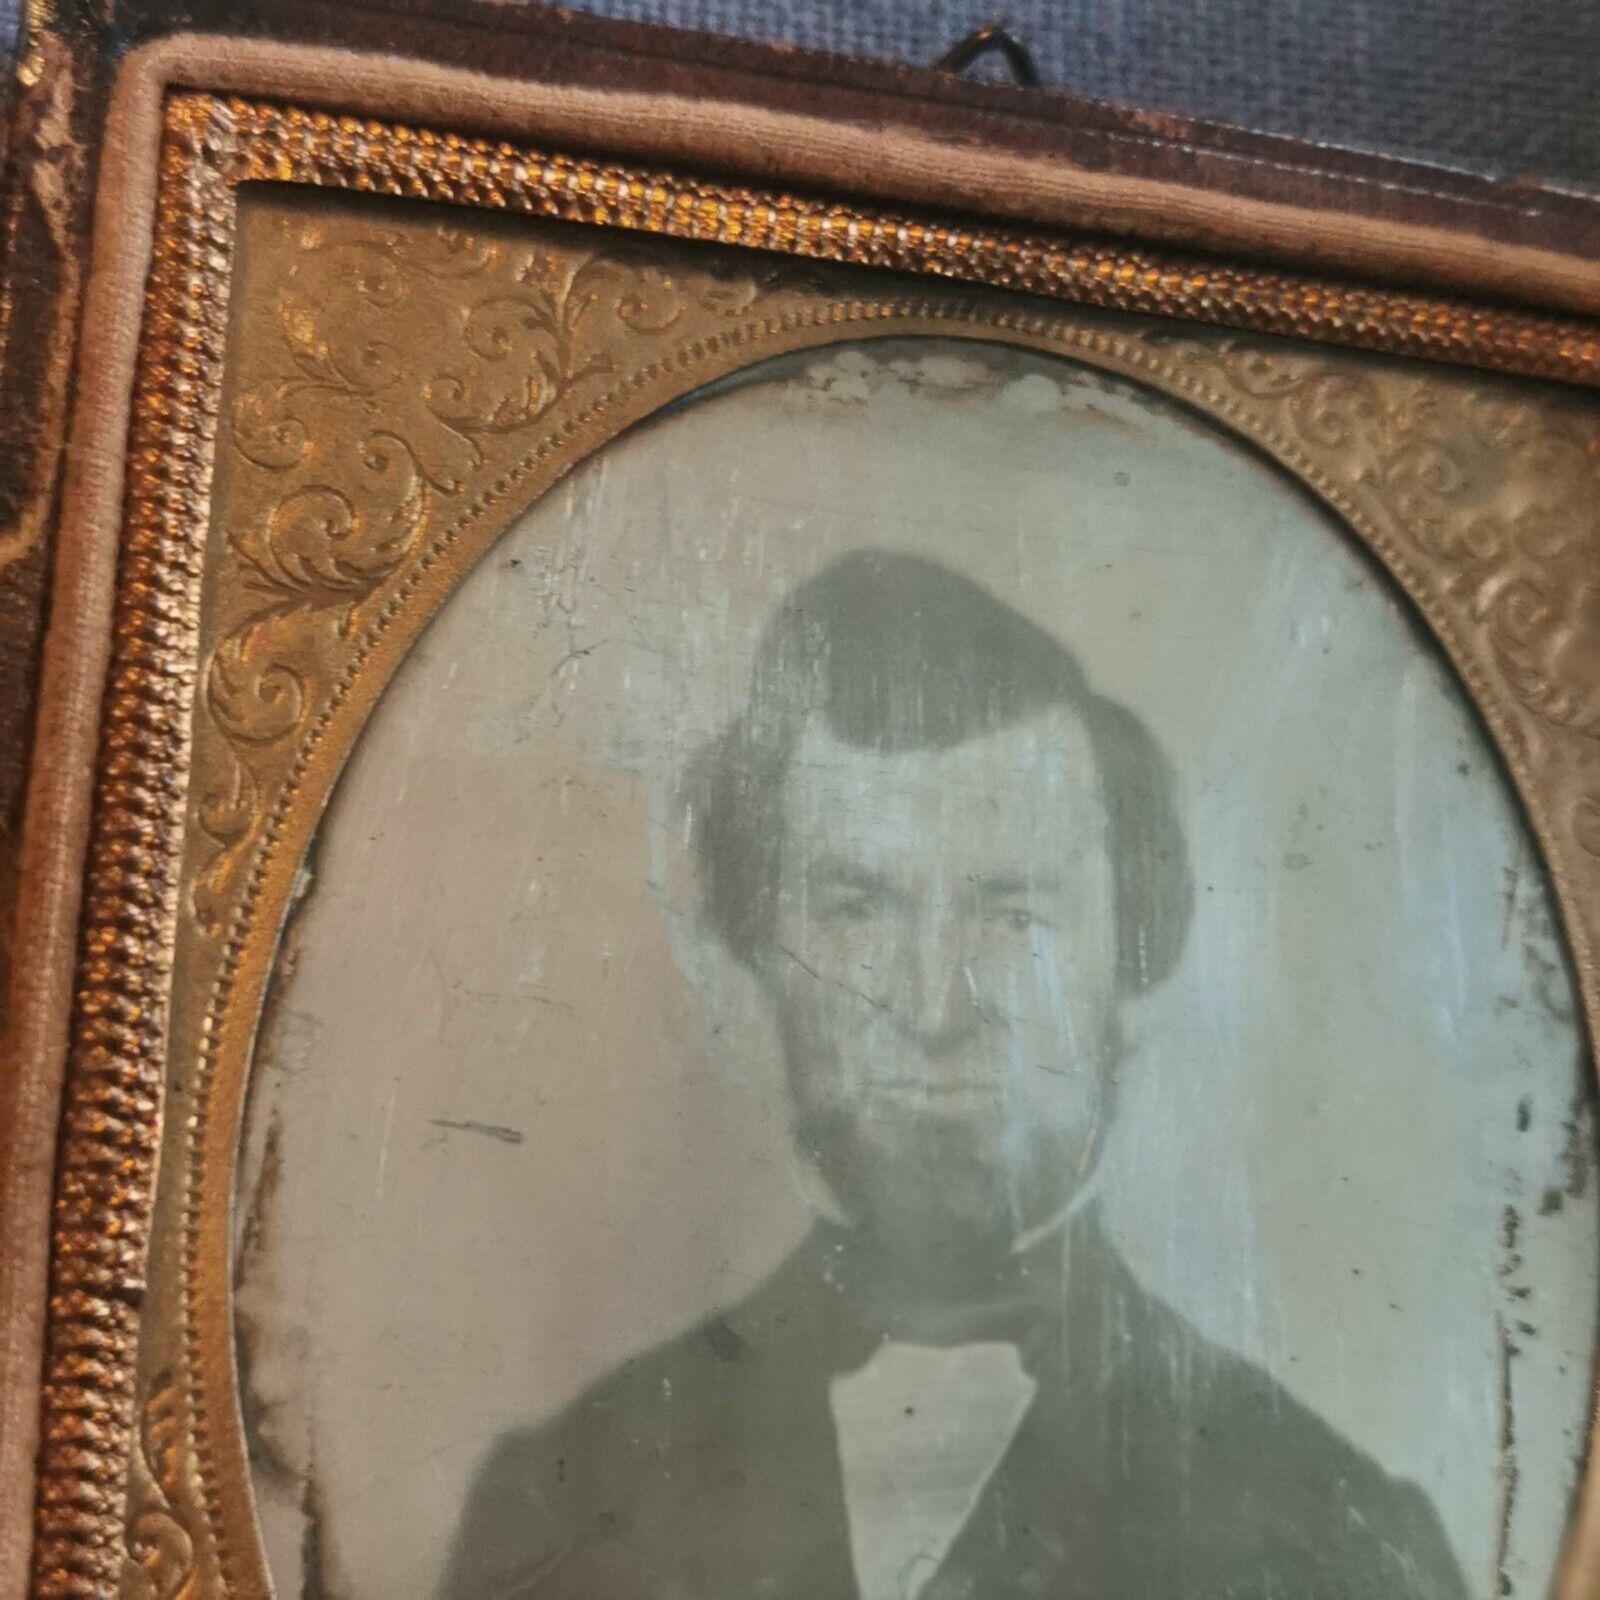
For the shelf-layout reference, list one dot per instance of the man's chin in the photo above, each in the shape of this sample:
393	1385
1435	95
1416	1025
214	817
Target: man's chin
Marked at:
938	1218
938	1191
946	1245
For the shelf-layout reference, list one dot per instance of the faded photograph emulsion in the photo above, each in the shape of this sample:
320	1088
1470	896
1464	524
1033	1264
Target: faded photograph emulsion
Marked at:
924	988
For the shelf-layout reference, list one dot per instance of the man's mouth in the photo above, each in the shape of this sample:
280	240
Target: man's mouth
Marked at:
945	1093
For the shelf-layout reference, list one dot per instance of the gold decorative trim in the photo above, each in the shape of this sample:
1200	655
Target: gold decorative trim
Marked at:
363	475
285	145
111	1122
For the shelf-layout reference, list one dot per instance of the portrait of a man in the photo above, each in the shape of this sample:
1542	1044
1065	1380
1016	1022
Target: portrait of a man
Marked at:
954	869
965	1024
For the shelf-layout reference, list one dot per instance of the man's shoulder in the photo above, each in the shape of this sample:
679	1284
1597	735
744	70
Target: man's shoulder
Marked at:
1259	1465
1176	1378
659	1454
1216	1461
1229	1406
651	1400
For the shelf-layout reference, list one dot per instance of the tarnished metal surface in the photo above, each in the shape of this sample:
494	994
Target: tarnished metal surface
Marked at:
401	389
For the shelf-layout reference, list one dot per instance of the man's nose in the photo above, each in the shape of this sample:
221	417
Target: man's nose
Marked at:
939	1009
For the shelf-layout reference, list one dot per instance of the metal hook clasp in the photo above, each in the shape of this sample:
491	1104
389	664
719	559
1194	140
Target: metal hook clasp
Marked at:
992	36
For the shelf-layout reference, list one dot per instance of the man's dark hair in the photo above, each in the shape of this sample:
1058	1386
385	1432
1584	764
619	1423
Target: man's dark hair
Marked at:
894	652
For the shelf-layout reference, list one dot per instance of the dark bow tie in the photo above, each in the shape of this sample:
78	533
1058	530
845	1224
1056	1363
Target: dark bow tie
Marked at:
1021	1300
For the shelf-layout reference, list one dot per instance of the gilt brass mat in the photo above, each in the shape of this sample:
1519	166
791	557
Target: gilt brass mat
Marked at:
311	473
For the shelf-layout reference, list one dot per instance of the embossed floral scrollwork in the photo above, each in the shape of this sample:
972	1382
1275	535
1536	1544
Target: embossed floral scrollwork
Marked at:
319	551
1334	409
448	253
1586	824
336	501
228	813
256	697
1435	492
370	267
1497	499
1544	640
1327	410
1261	374
361	431
316	560
536	345
647	296
265	429
161	1550
254	692
319	554
266	421
336	355
523	332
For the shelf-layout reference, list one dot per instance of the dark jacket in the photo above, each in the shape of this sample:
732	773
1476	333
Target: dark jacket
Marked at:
1149	1466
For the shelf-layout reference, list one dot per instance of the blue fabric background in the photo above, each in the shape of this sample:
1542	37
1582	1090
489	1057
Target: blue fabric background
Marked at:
1502	88
1499	87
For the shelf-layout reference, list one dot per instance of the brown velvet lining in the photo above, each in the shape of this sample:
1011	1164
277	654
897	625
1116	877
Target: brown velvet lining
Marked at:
56	818
894	163
765	146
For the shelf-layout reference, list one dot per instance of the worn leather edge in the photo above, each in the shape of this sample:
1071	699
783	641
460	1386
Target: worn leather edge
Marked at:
539	42
894	161
776	146
56	812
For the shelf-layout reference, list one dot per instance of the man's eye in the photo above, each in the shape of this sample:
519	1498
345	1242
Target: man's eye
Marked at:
1016	919
858	908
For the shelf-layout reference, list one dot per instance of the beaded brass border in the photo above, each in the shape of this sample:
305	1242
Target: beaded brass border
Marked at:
95	1423
286	145
112	1114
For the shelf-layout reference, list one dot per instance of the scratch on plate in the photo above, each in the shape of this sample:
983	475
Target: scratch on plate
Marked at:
490	1130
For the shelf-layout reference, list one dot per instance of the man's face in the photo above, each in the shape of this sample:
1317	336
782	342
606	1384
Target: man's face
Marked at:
943	969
